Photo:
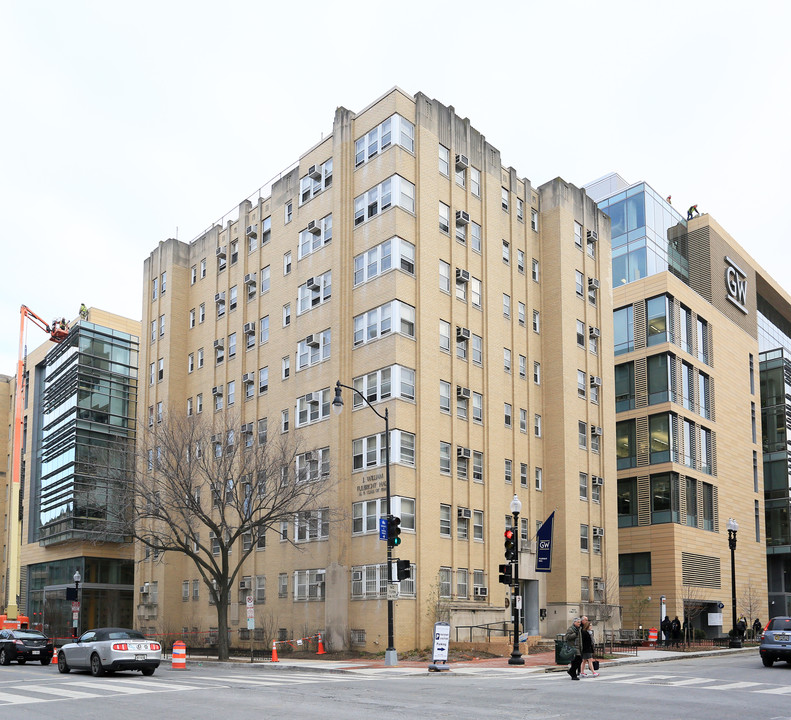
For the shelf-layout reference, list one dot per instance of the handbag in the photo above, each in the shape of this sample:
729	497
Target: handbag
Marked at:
595	664
566	653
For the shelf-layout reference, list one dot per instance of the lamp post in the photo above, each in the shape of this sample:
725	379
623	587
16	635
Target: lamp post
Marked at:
76	613
733	527
391	656
516	656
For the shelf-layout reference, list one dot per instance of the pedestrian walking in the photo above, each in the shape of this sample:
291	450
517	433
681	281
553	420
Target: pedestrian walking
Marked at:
741	627
574	638
675	631
666	630
587	649
757	629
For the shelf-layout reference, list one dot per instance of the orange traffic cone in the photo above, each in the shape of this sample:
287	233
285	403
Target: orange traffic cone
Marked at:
274	651
321	647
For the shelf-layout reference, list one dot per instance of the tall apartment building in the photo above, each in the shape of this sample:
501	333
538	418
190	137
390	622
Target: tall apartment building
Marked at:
78	437
401	257
687	397
6	413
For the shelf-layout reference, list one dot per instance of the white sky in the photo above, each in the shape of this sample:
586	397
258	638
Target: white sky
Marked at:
121	122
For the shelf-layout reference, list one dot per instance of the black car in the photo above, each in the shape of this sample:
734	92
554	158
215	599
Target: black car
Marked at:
776	641
24	645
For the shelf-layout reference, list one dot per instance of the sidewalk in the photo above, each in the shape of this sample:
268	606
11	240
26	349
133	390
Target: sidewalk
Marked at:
538	663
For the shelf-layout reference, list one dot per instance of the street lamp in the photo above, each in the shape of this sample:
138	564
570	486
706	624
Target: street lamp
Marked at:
77	578
391	656
516	656
733	527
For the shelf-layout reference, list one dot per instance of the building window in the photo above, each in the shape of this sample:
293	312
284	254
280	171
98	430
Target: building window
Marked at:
522	367
504	195
161	376
664	498
381	197
475	237
370	451
508	474
537	373
578	236
584	538
314	349
634	569
536	321
523	475
444	336
506	252
578	283
475	181
393	316
582	435
581	384
444	217
477	466
537	426
284	421
266	274
444	396
477	525
534	220
394	253
539	478
522	420
506	306
444	160
584	486
507	414
477	407
192	318
444	520
520	210
623	327
477	349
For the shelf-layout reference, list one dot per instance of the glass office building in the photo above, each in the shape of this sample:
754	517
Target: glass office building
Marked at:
649	236
774	340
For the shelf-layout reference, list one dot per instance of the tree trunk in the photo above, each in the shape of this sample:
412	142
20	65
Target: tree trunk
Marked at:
222	626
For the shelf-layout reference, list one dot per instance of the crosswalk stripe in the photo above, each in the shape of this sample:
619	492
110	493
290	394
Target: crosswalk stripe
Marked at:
116	687
646	678
689	681
776	691
62	692
283	678
11	699
733	686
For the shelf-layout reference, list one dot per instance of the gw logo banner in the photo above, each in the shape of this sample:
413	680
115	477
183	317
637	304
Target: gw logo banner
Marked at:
736	284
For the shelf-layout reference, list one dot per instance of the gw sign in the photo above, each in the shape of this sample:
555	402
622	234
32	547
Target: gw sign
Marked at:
736	284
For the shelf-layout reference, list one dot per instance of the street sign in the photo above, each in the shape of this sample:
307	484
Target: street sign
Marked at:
383	528
75	607
250	601
250	613
250	623
392	591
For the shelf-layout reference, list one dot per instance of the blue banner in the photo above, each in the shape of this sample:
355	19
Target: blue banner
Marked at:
544	546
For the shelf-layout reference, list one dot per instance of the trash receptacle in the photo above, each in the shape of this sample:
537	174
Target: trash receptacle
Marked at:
559	639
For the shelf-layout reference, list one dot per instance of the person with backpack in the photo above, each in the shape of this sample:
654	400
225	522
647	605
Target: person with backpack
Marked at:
666	630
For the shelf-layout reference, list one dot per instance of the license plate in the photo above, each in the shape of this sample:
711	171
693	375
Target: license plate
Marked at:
34	652
140	657
782	637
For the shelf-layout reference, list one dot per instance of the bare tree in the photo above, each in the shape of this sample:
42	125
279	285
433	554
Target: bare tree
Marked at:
203	486
638	606
606	600
694	600
750	603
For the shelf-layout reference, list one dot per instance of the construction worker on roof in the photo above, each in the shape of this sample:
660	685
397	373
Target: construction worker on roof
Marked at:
83	311
692	209
668	200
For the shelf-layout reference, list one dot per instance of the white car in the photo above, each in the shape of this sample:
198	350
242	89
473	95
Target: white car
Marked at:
105	650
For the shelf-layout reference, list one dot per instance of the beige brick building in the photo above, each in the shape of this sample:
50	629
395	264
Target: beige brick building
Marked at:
399	255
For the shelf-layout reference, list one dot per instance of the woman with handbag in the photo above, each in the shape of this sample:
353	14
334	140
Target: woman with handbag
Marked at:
587	649
574	638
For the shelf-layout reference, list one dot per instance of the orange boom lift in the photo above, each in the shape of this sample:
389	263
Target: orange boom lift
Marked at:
57	333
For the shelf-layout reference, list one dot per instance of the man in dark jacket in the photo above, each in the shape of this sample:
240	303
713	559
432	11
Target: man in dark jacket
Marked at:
666	630
574	637
675	631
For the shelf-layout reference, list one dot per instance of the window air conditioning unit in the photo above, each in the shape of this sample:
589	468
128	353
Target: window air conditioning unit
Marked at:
219	297
245	584
313	283
250	279
251	231
465	513
248	378
462	333
219	344
594	332
595	381
596	480
592	236
598	585
596	430
216	438
462	217
216	390
220	251
593	283
357	575
314	172
480	591
462	392
308	456
314	227
144	589
312	341
249	328
247	428
598	532
462	162
462	275
312	398
463	452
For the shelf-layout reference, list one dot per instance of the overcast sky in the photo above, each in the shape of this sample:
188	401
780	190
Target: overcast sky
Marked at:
124	124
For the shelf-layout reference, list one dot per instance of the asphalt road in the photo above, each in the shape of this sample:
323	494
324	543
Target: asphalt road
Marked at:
717	688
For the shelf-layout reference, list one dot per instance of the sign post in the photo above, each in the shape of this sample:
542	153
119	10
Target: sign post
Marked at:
250	621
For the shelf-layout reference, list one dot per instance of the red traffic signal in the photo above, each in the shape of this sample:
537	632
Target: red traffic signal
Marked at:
510	548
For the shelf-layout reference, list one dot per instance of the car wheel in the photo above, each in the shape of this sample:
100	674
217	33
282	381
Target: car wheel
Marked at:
5	659
767	661
96	666
46	660
21	660
62	665
147	671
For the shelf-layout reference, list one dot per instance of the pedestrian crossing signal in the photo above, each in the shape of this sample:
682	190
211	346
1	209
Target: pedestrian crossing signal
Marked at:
506	574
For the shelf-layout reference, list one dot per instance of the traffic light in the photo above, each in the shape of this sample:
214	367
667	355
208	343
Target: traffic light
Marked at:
506	574
393	531
403	570
510	549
